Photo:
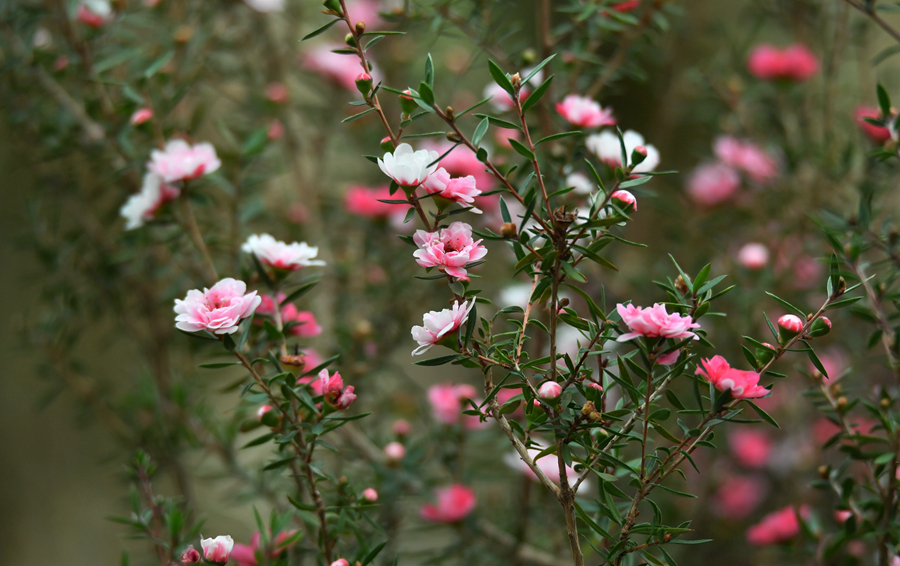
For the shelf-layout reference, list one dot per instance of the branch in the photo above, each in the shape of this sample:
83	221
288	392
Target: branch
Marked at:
869	10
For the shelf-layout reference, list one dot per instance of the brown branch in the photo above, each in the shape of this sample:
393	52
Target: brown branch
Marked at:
869	10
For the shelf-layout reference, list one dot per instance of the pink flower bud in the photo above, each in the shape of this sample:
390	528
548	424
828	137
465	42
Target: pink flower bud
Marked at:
60	63
401	427
753	255
550	390
262	411
842	516
140	116
346	399
790	323
638	155
369	494
820	327
395	451
340	562
387	144
217	550
626	198
190	556
277	93
276	130
596	386
364	83
407	104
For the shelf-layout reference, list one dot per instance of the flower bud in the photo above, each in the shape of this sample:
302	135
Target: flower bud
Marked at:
820	327
407	104
529	56
823	471
516	80
360	28
364	84
294	364
625	198
369	494
766	354
216	550
841	402
387	144
453	137
596	386
350	40
638	155
401	427
588	408
395	451
190	556
140	116
450	113
340	562
885	403
334	6
275	131
509	230
595	417
681	286
790	326
550	390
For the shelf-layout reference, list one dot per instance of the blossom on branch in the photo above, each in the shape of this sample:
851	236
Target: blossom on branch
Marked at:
440	327
450	249
279	255
654	322
180	161
218	310
743	384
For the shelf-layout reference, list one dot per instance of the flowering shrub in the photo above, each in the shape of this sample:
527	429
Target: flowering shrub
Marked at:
544	416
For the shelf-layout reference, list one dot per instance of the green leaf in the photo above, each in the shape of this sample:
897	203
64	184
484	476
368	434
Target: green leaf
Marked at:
357	116
218	365
635	182
300	291
537	69
788	305
535	96
480	131
426	94
499	123
429	71
440	361
884	101
259	440
500	77
557	136
762	414
255	142
374	552
321	30
573	273
161	62
521	149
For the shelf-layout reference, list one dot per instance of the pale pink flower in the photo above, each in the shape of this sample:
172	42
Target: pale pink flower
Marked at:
625	198
94	13
795	63
340	562
60	63
500	99
584	112
550	390
777	527
335	67
738	496
753	255
275	131
437	325
878	134
366	11
407	167
140	116
747	157
453	504
277	93
180	161
447	402
549	464
42	38
607	148
395	451
277	254
266	6
743	384
582	184
369	494
218	310
664	360
751	448
449	249
141	207
713	183
790	323
654	322
461	190
461	163
217	549
841	515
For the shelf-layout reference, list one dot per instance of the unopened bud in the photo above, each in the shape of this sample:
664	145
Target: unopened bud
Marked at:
387	144
766	354
638	155
294	364
360	28
841	402
563	303
453	137
190	556
334	6
509	230
626	199
820	327
595	417
183	34
842	287
364	84
395	451
529	56
885	403
823	471
516	80
790	326
350	40
550	390
681	286
370	495
407	104
401	427
450	113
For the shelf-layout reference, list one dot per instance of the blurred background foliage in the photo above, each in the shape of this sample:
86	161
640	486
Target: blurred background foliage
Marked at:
92	362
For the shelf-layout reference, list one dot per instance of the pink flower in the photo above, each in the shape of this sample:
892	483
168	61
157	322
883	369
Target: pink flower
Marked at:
370	494
401	427
407	167
277	93
395	451
340	562
626	6
217	549
94	13
245	555
743	384
777	527
795	63
299	323
607	148
448	401
751	448
363	201
262	411
791	323
328	385
738	496
275	131
180	161
753	255
550	390
664	360
450	249
453	504
584	112
218	310
461	163
654	322
549	464
746	156
190	555
841	516
626	198
437	325
877	134
140	116
142	207
460	190
713	183
338	68
277	254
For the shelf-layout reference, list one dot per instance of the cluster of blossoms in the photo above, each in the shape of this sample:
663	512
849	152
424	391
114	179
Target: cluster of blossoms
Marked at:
332	388
795	63
719	181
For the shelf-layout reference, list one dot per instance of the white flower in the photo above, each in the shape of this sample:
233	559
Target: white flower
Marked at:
140	207
407	167
438	324
549	464
279	255
179	160
605	146
266	6
217	550
582	183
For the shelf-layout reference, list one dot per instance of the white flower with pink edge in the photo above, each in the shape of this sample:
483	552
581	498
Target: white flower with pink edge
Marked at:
180	161
449	249
218	310
407	167
280	255
141	207
461	190
606	147
584	112
217	550
438	325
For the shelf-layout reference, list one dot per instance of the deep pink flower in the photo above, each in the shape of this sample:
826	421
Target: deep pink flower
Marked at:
306	325
190	556
743	384
461	190
218	310
654	322
180	161
713	183
625	198
450	249
141	207
277	254
747	157
453	504
751	448
245	555
275	131
217	549
877	134
664	360
795	63
738	496
461	163
140	116
363	201
584	112
94	13
335	67
776	528
753	255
